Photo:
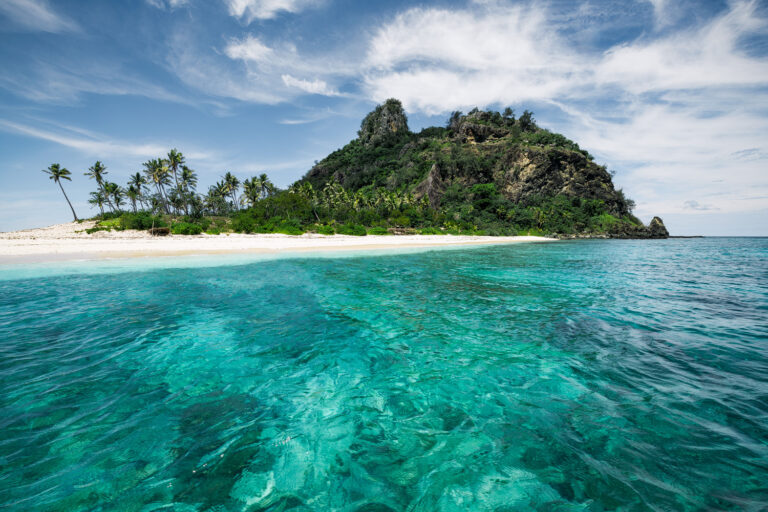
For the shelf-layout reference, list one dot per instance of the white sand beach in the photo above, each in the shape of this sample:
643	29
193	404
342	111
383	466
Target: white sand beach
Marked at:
70	242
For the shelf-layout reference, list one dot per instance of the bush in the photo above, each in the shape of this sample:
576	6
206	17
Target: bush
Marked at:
94	229
351	229
430	231
378	230
186	228
325	230
141	221
110	224
288	228
243	223
213	231
402	221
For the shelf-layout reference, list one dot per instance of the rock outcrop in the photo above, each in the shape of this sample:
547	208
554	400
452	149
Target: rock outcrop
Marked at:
388	118
432	187
525	172
657	229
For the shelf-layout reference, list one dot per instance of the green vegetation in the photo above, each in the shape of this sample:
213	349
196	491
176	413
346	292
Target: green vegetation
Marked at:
484	172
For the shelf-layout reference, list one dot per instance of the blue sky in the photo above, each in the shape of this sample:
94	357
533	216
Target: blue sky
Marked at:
672	95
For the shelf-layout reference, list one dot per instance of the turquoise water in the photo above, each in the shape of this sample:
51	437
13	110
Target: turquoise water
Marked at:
585	375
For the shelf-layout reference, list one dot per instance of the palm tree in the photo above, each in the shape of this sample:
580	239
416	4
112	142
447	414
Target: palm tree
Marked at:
97	199
266	185
58	173
138	181
97	172
188	179
215	200
114	193
231	184
251	191
175	160
157	173
188	184
133	194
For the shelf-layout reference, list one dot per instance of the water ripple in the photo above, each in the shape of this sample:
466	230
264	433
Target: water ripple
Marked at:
588	375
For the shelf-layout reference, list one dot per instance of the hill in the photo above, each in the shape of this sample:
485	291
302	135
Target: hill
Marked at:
484	171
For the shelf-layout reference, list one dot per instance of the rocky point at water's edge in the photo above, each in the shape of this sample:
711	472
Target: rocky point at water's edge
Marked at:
654	230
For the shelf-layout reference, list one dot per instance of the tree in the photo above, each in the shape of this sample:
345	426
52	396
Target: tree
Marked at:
132	193
527	122
267	188
231	185
454	120
137	181
175	160
188	185
251	191
97	172
114	193
509	116
57	173
97	199
157	172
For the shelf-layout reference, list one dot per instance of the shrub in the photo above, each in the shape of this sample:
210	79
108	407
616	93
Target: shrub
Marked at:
186	228
351	229
94	229
288	228
325	230
113	223
430	231
243	223
402	221
141	220
378	230
213	231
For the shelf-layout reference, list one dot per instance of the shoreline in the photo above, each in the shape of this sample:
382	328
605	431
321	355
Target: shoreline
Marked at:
67	242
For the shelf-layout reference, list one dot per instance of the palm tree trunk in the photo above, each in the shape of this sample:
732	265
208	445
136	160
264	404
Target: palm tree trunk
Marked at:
65	197
165	199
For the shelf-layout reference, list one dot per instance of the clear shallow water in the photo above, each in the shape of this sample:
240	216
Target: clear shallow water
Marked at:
590	375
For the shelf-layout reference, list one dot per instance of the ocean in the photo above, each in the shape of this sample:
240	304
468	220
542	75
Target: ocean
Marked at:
570	376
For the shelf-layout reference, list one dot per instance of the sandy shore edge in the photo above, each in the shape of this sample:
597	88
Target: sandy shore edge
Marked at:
68	242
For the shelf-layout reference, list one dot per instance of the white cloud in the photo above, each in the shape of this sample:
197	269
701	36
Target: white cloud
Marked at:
692	204
679	115
255	72
36	15
310	86
435	60
92	144
66	81
249	49
704	57
250	10
167	4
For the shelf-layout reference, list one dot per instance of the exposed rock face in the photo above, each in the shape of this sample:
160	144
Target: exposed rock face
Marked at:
386	119
432	186
529	171
476	127
657	228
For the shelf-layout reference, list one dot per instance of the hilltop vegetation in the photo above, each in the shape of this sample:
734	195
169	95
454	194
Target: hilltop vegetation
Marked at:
484	172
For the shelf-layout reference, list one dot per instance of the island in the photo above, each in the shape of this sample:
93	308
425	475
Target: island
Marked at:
484	177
